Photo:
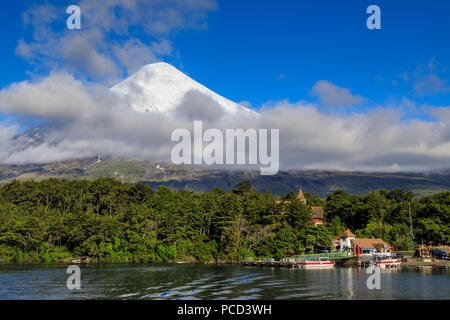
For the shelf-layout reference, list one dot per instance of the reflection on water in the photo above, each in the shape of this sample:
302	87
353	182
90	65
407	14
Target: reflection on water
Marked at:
219	282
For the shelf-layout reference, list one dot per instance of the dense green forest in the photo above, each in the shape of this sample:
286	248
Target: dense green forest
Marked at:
110	221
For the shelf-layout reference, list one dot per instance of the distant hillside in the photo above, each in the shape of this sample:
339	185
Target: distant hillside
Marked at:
202	179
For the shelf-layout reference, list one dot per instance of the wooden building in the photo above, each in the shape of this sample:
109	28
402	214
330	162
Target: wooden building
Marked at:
362	246
316	211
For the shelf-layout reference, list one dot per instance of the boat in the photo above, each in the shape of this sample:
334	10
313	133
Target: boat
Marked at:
387	261
365	262
315	263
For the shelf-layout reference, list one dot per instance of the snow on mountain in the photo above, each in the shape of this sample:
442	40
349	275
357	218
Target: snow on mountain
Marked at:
160	87
157	87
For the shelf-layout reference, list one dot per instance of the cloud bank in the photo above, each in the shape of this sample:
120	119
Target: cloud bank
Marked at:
86	119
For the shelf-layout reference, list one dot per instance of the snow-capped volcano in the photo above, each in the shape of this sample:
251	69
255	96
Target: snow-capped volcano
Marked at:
157	87
160	87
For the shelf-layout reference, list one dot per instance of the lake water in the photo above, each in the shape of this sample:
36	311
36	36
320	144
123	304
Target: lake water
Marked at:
219	282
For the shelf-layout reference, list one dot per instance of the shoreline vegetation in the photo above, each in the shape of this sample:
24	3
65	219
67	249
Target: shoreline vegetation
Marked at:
106	221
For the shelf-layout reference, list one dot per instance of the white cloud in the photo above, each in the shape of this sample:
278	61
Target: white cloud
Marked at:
110	43
246	104
80	54
430	84
332	95
133	53
87	120
379	140
427	80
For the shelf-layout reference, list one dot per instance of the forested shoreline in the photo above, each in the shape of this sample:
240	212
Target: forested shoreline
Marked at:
109	221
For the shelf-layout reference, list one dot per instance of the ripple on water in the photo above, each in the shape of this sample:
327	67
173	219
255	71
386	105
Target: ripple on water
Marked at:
199	282
251	297
181	288
187	298
164	294
221	292
186	293
150	296
274	283
260	277
252	290
206	286
128	295
154	288
304	295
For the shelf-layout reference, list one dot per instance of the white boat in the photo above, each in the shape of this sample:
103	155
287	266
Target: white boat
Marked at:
315	263
387	261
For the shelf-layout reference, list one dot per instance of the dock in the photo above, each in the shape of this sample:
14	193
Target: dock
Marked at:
270	264
431	263
341	258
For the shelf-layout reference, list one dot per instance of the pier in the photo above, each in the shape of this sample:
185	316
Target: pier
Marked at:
341	258
270	264
412	262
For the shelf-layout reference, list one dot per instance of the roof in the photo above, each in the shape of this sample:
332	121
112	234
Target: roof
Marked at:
378	244
347	233
317	212
300	194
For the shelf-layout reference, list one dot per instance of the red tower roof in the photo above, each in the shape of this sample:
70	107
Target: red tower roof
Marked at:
347	233
300	194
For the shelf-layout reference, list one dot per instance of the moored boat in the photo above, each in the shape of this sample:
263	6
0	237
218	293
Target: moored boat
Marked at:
387	261
315	263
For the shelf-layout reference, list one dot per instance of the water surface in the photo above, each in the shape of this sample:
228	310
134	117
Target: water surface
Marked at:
219	282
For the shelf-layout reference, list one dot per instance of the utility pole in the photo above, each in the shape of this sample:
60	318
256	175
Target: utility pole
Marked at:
411	226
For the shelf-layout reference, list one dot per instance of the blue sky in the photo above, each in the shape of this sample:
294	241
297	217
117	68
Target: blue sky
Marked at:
260	51
251	43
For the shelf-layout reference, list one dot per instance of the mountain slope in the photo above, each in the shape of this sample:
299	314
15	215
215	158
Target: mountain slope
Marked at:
202	179
160	87
157	87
